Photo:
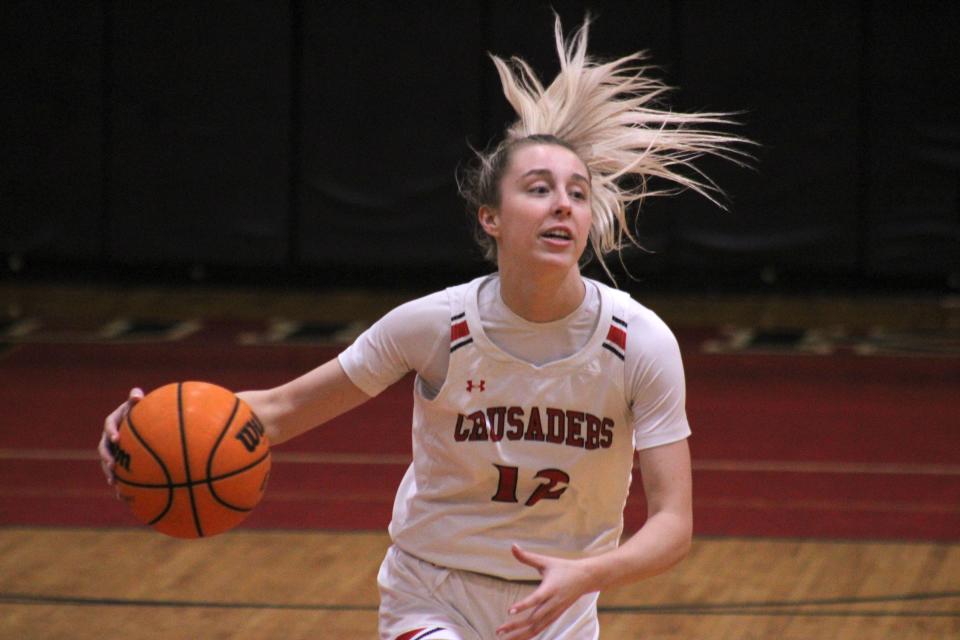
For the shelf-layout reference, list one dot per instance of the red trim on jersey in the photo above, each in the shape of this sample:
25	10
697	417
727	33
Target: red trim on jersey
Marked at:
459	330
413	635
618	337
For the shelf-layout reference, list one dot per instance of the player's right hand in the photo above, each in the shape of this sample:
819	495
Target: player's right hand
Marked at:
111	433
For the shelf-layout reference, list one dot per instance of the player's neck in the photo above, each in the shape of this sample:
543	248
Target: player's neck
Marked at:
545	298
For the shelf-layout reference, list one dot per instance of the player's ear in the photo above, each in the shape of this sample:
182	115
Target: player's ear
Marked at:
489	219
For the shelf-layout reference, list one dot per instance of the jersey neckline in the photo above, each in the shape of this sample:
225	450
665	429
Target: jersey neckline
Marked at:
481	341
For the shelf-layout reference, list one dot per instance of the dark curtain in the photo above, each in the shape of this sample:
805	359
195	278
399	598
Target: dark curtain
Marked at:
199	168
51	194
315	137
390	95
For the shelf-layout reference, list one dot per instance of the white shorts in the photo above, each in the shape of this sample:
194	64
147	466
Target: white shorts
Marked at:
419	600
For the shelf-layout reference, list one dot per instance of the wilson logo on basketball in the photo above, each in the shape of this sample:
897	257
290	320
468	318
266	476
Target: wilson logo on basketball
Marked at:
250	433
120	457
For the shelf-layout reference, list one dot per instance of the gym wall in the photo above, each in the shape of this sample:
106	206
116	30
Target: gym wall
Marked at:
321	139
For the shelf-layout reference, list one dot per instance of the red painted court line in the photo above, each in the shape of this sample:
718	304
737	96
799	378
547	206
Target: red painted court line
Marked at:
885	506
386	495
355	491
733	466
285	457
274	496
842	468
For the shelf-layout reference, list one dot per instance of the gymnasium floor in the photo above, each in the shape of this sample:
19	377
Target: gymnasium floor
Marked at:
827	480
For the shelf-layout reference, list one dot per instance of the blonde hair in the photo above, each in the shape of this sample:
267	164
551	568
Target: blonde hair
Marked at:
606	113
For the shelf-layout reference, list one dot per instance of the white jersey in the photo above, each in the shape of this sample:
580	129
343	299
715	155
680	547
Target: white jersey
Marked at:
538	454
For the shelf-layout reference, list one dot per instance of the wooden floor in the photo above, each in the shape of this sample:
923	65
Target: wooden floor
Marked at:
138	585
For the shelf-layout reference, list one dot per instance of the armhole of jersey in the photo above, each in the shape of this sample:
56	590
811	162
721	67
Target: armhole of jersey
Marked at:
459	332
459	329
617	337
457	336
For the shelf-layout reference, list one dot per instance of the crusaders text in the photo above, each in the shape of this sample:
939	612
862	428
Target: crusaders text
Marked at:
559	426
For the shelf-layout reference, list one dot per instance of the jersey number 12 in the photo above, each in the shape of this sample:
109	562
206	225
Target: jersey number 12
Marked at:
556	482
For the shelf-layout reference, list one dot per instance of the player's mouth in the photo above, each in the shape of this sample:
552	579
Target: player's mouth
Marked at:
557	235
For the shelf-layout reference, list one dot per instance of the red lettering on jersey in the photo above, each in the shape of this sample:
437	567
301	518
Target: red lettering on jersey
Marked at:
496	416
593	432
460	434
507	484
479	431
606	433
555	425
515	423
574	426
534	428
551	489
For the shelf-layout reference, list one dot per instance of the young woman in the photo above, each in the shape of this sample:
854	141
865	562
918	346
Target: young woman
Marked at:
535	386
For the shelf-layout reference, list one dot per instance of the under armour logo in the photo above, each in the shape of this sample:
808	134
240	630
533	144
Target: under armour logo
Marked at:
480	387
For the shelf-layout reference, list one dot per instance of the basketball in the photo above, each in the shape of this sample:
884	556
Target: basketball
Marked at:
192	460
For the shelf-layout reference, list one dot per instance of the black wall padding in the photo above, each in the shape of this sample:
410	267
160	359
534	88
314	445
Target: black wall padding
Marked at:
912	214
792	68
390	95
199	167
50	181
298	137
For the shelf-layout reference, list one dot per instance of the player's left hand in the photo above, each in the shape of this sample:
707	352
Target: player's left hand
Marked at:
563	582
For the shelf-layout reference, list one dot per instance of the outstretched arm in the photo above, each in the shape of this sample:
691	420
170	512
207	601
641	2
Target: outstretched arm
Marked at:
661	543
285	411
305	402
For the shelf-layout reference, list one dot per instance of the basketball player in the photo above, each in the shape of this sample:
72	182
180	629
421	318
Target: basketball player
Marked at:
535	386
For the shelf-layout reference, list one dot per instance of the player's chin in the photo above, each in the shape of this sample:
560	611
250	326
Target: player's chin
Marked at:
559	260
559	251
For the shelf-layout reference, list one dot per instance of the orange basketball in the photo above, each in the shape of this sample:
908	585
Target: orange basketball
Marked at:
192	460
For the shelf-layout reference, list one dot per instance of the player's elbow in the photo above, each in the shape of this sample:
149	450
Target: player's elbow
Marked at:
684	545
680	539
685	534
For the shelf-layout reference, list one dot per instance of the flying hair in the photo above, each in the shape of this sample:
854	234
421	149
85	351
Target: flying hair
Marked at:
608	114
